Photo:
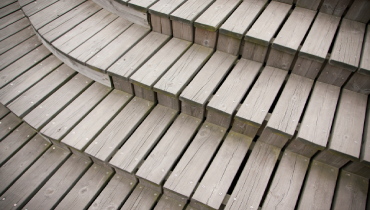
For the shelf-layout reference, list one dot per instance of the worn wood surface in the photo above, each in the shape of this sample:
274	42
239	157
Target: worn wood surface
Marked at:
6	3
3	111
365	60
359	83
307	67
309	4
141	198
16	39
328	158
358	168
300	148
253	51
205	37
161	24
24	2
334	7
141	5
9	9
9	19
8	124
280	59
365	152
183	30
36	6
13	28
359	11
164	8
228	44
169	203
334	75
190	10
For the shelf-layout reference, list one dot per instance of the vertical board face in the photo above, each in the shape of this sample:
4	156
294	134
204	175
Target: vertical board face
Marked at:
334	7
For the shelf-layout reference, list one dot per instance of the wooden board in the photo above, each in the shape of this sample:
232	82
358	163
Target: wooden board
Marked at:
59	184
25	157
300	148
365	151
14	28
118	47
164	8
138	55
3	111
359	11
8	124
7	20
318	117
358	168
141	5
119	129
49	108
142	141
253	181
15	141
288	180
44	88
75	112
168	203
86	189
16	39
161	24
6	3
351	192
308	68
328	158
114	194
88	128
365	61
34	178
190	10
24	2
358	83
309	4
319	186
334	7
183	30
37	6
334	75
9	9
161	160
185	176
219	176
346	135
141	198
319	39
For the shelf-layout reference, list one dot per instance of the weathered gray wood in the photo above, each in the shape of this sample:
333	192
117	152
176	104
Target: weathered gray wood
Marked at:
309	4
280	59
142	141
37	93
161	24
365	60
169	203
334	7
87	129
13	28
205	37
359	11
37	6
219	176
183	31
288	180
255	107
6	3
365	152
318	117
119	129
118	47
87	188
253	51
49	108
334	75
93	45
8	124
318	41
300	148
351	192
122	84
9	9
114	194
190	10
144	93
168	150
141	198
286	1
253	181
16	39
3	111
346	135
319	186
307	68
21	161
15	141
228	44
231	92
59	184
138	55
24	2
7	20
141	5
52	12
75	112
34	178
358	168
359	83
328	158
164	8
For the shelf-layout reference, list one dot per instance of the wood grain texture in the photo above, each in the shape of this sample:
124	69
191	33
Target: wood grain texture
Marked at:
288	180
183	30
253	51
358	168
3	111
88	128
141	5
6	3
191	166
9	9
161	160
24	2
16	39
318	117
319	39
334	7
328	158
9	19
228	44
8	124
119	129
309	4
280	59
365	60
14	28
60	125
161	24
365	152
190	10
145	93
359	11
346	135
307	67
300	148
86	189
168	101
219	176
205	37
141	198
164	8
169	203
36	6
251	185
334	75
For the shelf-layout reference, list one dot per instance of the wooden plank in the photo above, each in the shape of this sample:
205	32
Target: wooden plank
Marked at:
358	83
319	186
93	45
7	20
204	84
13	28
219	176
87	188
118	47
161	24
87	129
9	9
185	176
318	117
138	55
19	51
119	129
24	2
141	5
16	39
284	191
190	10
49	108
359	11
365	152
15	141
253	181
318	41
25	157
168	203
6	3
351	192
183	31
59	184
358	168
308	68
334	75
162	159
114	194
54	11
37	6
142	141
66	22
328	158
8	124
300	148
346	135
205	37
75	112
3	111
34	178
255	107
164	8
228	44
309	4
141	198
334	7
37	93
232	90
365	61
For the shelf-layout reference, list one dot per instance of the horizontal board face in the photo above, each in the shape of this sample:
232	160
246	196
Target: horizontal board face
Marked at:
190	10
9	9
165	7
16	39
334	7
36	6
13	28
7	20
141	5
359	11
